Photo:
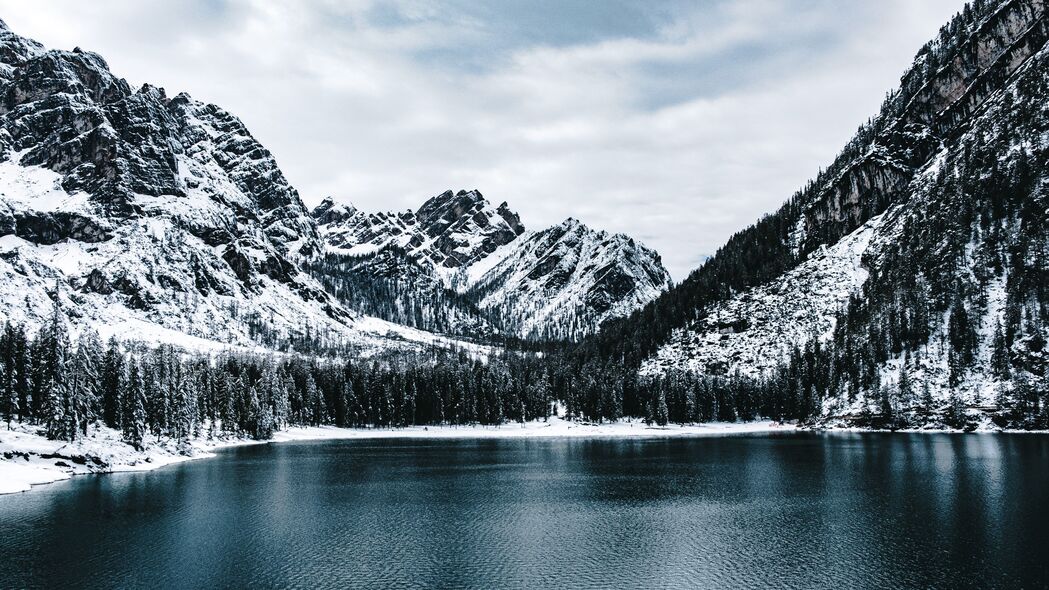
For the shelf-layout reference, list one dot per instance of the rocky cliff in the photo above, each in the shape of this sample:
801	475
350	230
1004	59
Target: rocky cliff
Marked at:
559	283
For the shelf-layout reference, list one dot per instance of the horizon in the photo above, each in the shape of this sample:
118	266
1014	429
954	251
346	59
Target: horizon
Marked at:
677	126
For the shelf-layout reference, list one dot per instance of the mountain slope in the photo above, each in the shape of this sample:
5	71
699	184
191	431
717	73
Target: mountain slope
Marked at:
148	216
893	272
460	254
566	280
138	213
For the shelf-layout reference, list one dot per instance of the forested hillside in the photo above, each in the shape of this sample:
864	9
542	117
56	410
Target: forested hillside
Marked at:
908	280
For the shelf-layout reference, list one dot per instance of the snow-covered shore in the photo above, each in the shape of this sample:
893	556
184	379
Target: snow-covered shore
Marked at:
27	458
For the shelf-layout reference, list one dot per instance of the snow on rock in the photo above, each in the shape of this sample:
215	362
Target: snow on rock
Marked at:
971	97
28	458
568	279
151	218
561	282
754	331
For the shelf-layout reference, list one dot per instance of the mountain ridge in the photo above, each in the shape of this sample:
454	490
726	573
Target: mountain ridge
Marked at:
811	301
143	214
544	284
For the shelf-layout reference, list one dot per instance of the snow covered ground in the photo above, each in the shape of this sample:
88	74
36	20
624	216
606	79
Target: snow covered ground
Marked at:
27	458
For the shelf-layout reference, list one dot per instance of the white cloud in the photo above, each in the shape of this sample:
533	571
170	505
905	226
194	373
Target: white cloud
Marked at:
680	136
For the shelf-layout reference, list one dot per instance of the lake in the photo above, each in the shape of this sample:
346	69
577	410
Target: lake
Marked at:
783	511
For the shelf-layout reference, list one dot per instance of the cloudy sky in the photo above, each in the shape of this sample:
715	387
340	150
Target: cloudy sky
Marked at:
676	122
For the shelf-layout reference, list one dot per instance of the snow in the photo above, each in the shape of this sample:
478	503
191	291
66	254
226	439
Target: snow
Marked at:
554	428
19	478
787	312
391	331
547	279
541	281
36	188
30	459
22	449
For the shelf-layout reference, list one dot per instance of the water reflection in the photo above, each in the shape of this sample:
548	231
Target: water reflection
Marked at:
813	511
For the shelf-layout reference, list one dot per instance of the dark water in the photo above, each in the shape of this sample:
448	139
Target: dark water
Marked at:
804	511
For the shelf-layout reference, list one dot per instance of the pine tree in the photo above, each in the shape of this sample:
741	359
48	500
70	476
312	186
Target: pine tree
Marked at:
408	407
314	410
81	388
662	413
133	421
10	400
690	404
906	390
955	416
112	371
53	346
1000	354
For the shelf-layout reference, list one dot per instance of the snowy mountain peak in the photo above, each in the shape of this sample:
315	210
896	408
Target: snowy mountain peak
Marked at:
561	282
464	228
164	216
159	218
331	212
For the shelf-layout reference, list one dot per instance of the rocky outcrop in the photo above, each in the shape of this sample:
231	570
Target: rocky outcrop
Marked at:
951	79
562	282
565	281
907	281
131	207
144	208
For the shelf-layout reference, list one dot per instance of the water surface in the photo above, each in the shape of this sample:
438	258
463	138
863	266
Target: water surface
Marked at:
785	511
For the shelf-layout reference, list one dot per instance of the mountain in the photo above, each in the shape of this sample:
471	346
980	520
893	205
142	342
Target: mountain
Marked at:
155	217
906	284
162	218
566	280
459	253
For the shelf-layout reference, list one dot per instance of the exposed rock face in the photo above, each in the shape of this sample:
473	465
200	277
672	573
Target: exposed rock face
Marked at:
568	279
949	83
448	232
921	241
142	209
463	228
562	282
164	217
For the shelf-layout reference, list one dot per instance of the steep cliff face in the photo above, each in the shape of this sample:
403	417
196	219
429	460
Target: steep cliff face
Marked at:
567	280
147	216
449	231
562	282
912	264
162	217
947	86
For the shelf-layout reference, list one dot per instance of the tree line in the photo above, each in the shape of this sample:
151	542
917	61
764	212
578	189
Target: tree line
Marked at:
70	385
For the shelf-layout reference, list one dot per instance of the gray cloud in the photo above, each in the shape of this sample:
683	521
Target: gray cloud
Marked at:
678	125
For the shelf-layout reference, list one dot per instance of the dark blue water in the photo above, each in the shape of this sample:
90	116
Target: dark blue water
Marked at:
802	511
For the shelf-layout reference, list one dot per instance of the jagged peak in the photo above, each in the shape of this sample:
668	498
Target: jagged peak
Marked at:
450	207
511	218
331	212
618	240
148	88
462	199
576	226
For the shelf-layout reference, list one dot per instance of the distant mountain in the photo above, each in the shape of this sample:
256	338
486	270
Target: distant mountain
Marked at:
161	218
908	282
460	265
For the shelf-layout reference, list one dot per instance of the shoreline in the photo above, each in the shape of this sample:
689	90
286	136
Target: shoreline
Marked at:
27	459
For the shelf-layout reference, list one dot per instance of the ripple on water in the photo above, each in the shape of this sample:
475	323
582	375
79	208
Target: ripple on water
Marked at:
801	511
